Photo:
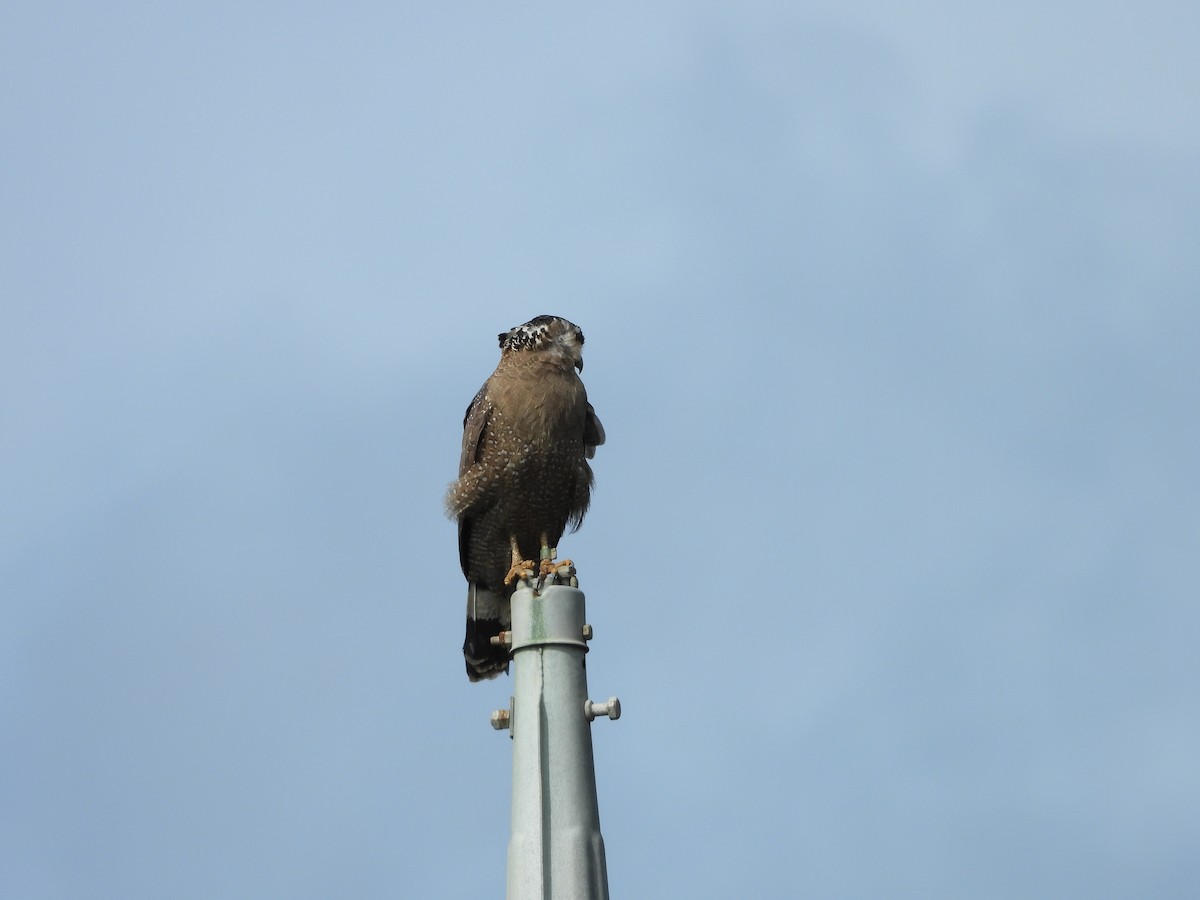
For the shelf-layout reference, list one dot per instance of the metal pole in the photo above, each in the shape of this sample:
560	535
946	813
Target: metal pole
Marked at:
556	851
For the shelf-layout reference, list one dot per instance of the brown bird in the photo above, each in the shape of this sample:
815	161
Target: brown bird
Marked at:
523	477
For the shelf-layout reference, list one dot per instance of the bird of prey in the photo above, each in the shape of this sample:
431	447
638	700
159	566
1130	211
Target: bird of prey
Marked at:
523	477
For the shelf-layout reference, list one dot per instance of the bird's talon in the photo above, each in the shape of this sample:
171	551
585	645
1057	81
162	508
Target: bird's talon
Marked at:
522	570
561	572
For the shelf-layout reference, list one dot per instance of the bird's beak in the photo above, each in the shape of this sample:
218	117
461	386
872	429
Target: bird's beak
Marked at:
579	364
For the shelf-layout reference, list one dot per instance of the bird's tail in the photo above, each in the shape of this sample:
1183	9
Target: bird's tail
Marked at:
487	615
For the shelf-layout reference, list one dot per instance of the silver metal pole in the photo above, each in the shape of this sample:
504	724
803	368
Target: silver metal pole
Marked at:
556	851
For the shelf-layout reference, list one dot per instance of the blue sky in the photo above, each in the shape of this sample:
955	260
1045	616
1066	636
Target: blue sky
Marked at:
892	317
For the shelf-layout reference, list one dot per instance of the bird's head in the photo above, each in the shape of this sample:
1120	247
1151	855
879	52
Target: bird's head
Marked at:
550	335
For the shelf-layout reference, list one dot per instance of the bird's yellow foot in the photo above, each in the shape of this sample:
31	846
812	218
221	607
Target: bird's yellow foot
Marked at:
557	571
553	570
549	566
550	563
522	570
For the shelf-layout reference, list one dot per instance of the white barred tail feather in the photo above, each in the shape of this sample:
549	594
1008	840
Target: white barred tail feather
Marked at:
488	614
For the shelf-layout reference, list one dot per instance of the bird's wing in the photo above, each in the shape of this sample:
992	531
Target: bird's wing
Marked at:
475	423
593	432
474	430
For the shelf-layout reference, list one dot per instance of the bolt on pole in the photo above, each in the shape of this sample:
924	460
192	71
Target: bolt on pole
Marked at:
556	851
